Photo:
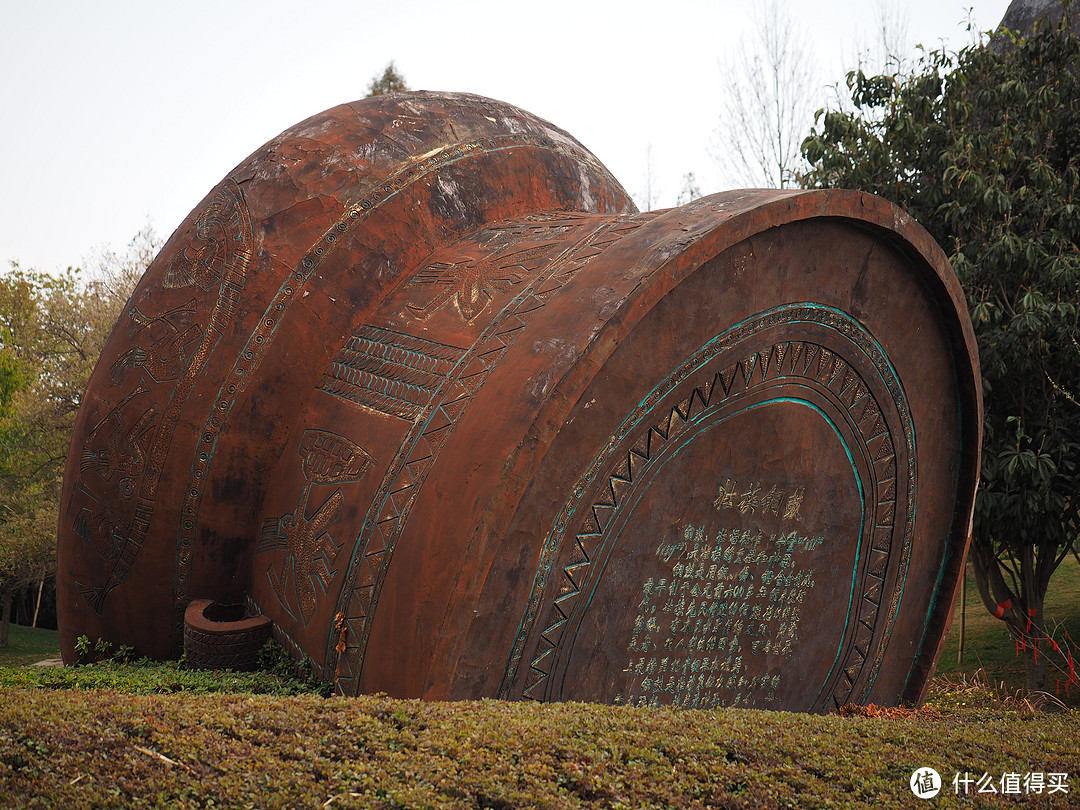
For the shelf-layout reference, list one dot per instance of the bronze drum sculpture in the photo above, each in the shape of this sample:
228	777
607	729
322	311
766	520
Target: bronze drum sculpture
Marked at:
418	386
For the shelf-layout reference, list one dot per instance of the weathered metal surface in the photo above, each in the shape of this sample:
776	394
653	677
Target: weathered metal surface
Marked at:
218	636
419	383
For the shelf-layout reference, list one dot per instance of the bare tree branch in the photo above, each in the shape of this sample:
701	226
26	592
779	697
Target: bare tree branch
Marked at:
772	93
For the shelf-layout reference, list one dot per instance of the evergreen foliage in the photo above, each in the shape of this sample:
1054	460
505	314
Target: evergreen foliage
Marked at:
982	147
389	82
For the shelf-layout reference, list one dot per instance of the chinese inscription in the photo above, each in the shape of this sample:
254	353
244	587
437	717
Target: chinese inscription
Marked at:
716	625
751	499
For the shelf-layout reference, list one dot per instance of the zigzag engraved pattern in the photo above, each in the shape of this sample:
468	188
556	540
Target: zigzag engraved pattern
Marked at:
401	484
291	290
792	359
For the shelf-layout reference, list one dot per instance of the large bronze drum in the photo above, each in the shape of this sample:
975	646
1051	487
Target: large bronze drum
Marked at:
419	386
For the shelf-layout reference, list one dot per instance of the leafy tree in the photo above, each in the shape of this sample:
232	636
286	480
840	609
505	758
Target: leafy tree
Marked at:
52	330
982	147
27	549
389	82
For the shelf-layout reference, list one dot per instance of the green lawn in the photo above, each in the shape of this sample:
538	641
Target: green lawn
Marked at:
27	645
989	647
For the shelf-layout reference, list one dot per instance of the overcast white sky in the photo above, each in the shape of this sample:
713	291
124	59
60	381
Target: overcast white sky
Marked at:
116	114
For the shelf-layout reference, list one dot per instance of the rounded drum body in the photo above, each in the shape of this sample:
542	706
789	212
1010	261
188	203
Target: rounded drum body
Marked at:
462	423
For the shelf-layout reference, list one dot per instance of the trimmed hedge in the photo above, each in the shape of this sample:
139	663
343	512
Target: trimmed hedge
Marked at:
101	748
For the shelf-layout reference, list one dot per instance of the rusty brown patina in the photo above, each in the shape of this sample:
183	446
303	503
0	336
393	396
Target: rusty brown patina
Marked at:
419	384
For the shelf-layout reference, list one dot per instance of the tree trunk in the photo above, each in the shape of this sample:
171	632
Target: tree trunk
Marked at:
37	604
1022	612
1035	644
996	594
963	618
1041	564
5	622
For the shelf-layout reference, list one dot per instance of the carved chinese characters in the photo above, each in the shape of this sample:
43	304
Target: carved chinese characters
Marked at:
751	549
738	595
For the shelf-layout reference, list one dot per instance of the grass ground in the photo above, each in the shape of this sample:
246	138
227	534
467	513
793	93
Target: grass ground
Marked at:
989	647
27	645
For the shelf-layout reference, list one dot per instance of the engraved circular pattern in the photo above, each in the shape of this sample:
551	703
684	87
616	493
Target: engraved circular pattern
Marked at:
250	358
385	518
613	464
